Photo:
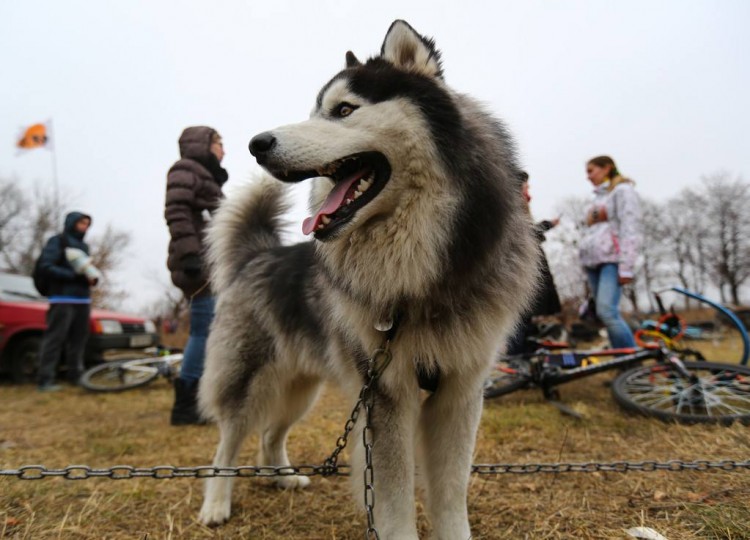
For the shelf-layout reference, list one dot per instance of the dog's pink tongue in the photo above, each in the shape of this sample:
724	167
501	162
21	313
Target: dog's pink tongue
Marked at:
332	203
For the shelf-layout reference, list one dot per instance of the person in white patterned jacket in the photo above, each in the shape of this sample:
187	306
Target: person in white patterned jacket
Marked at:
610	243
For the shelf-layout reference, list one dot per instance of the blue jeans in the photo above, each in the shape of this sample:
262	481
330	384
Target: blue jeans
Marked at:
606	290
201	315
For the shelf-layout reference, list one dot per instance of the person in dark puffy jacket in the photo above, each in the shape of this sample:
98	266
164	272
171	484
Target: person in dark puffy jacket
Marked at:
193	193
546	301
69	304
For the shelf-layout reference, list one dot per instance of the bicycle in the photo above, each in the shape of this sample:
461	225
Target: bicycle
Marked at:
119	375
680	386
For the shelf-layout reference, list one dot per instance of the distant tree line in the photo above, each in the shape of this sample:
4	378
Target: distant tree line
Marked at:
698	239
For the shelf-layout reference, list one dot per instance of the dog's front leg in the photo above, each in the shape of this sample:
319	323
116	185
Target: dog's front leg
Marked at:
395	414
449	422
217	502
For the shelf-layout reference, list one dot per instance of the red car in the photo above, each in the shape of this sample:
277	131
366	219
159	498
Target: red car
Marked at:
22	322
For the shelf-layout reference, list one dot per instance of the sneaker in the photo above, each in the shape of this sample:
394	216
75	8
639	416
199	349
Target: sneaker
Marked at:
50	387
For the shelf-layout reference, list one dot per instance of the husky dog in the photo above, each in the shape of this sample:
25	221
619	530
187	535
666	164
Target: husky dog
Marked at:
419	227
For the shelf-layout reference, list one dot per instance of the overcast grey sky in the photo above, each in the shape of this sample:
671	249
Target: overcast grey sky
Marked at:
661	86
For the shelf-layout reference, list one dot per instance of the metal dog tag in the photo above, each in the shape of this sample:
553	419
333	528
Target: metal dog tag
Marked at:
384	325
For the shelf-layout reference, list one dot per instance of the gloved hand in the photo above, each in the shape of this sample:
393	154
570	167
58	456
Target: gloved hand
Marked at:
192	265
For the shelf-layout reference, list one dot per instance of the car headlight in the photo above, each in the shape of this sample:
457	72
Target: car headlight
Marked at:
149	327
110	327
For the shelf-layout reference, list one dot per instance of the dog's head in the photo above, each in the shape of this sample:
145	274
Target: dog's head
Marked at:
372	137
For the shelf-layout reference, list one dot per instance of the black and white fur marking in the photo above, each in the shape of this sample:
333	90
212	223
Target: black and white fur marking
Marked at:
417	211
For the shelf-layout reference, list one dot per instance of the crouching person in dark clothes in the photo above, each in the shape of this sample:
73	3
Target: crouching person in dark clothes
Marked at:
69	304
193	193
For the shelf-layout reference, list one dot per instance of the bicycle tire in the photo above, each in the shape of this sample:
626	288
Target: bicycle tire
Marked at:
120	375
722	396
508	375
726	341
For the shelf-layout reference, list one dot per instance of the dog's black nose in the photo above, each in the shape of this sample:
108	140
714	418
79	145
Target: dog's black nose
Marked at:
262	143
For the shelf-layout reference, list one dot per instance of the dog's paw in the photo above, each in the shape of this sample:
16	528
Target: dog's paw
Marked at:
215	513
293	482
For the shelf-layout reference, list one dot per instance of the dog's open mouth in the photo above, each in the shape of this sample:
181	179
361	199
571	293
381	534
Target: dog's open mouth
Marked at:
358	179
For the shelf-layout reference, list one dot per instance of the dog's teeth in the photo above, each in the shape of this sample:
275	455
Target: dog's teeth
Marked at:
320	226
364	185
357	194
349	201
326	220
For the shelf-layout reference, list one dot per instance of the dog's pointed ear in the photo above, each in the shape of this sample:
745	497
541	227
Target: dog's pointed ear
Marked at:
408	50
351	60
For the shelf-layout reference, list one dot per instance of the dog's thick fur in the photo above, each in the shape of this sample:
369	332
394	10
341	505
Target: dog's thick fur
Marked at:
444	248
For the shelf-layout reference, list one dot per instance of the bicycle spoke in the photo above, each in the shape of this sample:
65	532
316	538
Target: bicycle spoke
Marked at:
712	393
142	369
122	375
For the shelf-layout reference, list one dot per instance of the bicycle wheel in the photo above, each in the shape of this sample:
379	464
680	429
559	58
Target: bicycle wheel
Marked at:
714	394
508	375
121	375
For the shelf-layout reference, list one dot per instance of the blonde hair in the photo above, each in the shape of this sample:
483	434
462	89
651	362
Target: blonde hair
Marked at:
605	161
614	175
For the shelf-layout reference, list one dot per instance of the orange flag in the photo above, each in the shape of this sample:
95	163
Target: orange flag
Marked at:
34	137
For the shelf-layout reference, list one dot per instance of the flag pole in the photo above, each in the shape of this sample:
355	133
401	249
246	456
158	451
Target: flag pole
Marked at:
54	171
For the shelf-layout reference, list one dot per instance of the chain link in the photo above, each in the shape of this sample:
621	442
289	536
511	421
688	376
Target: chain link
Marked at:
368	401
674	465
365	402
164	472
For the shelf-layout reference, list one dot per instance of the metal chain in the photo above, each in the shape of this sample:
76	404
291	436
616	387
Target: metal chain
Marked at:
365	400
164	472
368	402
673	465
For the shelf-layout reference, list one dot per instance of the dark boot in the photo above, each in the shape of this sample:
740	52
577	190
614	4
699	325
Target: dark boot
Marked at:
185	410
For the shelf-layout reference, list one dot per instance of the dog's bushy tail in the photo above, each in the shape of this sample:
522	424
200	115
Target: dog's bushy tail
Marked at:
246	224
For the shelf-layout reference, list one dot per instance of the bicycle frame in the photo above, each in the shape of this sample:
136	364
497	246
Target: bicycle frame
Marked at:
549	378
546	377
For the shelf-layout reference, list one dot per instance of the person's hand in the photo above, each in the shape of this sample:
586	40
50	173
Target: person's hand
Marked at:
623	280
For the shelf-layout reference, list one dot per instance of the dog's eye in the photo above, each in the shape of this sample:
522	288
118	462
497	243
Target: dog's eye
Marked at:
344	109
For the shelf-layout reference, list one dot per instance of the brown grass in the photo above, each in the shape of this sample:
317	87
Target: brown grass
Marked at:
74	427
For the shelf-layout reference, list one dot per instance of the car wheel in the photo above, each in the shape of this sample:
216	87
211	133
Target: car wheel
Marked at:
24	359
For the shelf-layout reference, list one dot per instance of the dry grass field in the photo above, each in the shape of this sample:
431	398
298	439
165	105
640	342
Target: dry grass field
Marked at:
99	430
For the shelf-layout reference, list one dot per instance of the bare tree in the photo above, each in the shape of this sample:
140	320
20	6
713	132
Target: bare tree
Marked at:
561	248
728	218
106	253
24	231
12	203
653	231
682	225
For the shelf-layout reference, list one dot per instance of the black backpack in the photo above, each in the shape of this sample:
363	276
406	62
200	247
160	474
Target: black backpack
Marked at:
42	280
